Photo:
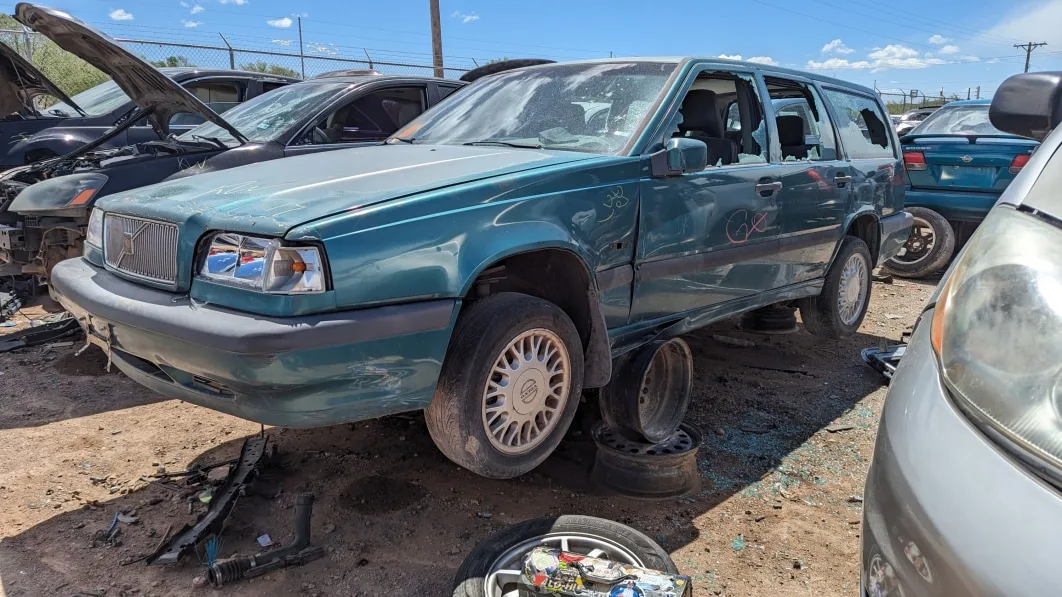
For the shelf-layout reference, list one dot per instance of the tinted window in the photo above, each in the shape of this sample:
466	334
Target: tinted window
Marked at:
270	86
861	125
445	90
371	117
209	93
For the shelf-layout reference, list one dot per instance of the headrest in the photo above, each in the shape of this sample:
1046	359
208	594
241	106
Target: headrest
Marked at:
790	130
700	113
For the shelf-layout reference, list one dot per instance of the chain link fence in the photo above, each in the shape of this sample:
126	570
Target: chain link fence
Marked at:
898	103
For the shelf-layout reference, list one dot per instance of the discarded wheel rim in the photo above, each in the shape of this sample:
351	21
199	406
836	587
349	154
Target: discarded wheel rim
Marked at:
770	320
662	470
648	398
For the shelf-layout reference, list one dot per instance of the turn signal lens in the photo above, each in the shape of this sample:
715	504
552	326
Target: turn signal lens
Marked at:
915	160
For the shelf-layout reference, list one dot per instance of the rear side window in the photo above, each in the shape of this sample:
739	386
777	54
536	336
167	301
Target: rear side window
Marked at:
445	90
861	125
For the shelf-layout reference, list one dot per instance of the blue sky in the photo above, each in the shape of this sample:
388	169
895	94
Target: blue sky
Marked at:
954	44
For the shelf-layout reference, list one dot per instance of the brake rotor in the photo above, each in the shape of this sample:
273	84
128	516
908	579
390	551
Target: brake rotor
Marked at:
663	470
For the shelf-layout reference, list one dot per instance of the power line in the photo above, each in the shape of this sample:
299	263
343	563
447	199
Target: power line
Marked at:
1029	47
881	7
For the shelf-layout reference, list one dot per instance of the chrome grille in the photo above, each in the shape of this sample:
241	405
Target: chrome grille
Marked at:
143	248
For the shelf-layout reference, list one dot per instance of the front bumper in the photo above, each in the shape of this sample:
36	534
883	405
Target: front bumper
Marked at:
946	512
893	231
291	371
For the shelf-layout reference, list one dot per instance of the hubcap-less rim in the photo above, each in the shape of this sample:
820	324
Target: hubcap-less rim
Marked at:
504	574
526	391
853	289
919	245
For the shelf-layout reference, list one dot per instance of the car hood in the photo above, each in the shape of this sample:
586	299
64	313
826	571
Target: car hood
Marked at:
270	198
20	82
143	83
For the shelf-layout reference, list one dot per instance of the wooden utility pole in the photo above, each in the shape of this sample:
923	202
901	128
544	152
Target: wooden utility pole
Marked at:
1029	47
436	40
302	53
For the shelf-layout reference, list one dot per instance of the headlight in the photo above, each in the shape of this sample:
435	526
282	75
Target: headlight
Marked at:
997	329
263	264
94	234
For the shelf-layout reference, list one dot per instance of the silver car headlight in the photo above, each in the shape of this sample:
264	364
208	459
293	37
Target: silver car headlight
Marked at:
263	264
94	232
997	330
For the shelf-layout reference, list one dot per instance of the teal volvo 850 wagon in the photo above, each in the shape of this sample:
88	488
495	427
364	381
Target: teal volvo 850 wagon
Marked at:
491	260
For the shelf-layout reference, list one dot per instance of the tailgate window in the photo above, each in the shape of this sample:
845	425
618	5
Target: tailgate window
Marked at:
960	120
861	124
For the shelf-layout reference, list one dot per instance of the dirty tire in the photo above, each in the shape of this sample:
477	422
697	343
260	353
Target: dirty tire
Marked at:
939	255
455	416
821	314
471	576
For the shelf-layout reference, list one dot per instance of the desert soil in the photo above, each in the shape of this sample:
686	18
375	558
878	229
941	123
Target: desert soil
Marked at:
788	425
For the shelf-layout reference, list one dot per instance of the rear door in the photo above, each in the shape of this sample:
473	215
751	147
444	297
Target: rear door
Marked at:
816	181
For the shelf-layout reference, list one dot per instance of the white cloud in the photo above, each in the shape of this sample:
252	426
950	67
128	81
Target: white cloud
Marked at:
236	2
731	56
465	18
183	4
283	42
949	49
282	23
993	61
191	24
891	56
121	15
938	40
1032	23
197	9
837	46
764	60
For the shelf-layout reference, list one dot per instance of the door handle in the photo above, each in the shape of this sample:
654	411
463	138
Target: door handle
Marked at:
842	179
767	189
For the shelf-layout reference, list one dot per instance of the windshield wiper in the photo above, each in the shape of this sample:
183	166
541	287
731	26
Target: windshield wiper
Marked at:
213	140
505	143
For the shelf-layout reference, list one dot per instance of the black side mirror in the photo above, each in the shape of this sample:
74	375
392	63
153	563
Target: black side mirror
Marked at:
1028	105
679	156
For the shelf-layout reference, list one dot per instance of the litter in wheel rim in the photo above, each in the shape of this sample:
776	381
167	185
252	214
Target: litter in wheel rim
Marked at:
667	469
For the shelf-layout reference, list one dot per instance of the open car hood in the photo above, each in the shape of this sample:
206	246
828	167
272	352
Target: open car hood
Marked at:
20	82
153	91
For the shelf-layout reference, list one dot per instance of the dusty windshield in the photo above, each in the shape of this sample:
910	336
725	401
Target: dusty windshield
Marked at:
593	108
96	101
269	115
960	120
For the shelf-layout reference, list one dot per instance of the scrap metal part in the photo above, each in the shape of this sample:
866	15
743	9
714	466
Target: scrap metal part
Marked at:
550	571
663	470
10	303
39	334
211	523
885	357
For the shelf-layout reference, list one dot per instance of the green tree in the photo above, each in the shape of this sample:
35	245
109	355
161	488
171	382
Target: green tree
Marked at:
70	73
172	61
271	69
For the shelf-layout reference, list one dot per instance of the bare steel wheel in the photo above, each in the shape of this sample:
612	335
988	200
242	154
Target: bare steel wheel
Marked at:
503	401
526	391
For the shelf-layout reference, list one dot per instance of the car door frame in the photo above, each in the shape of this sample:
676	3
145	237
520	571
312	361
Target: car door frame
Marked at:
704	257
358	90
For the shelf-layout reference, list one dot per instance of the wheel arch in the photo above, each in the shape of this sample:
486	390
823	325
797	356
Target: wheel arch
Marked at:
864	225
559	273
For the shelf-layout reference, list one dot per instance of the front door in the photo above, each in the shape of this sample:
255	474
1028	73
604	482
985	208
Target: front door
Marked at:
711	236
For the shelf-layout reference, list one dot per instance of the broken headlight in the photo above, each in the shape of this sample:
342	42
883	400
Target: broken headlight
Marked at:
997	329
94	232
262	264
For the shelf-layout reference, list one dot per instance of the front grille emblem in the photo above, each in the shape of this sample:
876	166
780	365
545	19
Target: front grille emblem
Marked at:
129	242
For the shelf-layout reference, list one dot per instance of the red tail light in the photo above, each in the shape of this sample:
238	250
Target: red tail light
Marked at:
1018	163
914	160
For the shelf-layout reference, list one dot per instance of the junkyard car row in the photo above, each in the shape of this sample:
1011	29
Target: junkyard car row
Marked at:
488	253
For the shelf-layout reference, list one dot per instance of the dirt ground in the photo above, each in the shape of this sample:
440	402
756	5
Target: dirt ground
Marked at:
788	428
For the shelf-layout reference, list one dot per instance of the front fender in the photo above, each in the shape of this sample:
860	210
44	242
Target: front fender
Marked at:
57	141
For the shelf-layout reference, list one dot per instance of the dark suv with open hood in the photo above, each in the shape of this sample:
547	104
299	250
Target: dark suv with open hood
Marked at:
32	133
44	206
